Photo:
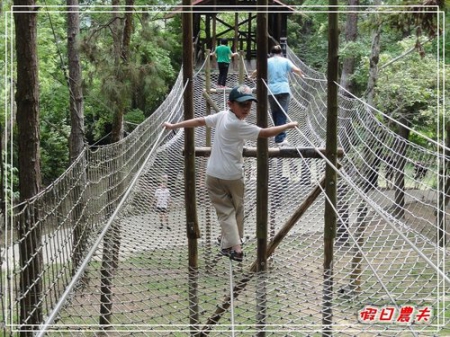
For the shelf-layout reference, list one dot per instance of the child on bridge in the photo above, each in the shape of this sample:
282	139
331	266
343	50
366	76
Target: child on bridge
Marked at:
162	203
224	174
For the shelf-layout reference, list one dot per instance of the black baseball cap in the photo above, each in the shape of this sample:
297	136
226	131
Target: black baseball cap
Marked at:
241	93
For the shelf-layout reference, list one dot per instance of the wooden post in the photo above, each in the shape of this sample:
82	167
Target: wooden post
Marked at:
249	38
110	263
444	189
208	41
209	102
192	229
236	41
241	74
330	173
262	167
214	31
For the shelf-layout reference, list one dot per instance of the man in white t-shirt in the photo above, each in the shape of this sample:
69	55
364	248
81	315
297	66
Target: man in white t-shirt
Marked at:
224	180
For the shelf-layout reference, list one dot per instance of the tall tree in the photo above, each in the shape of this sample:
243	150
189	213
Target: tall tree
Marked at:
119	106
76	143
351	34
76	139
121	55
112	239
374	58
27	100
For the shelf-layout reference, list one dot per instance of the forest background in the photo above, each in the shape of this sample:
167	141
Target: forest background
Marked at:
129	60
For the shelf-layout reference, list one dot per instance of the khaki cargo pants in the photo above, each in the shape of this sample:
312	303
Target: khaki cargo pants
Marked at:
227	197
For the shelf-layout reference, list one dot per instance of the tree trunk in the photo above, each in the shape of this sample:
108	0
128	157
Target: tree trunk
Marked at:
127	30
117	122
27	98
373	66
369	157
121	51
112	240
77	137
348	68
351	34
400	150
76	144
374	58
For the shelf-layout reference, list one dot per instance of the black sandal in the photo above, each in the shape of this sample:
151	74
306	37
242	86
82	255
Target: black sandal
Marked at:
226	252
237	256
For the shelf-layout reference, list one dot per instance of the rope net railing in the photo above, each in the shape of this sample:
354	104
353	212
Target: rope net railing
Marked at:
124	270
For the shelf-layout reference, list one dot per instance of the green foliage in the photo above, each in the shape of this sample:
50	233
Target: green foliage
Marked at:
133	118
54	151
156	72
352	49
139	83
11	180
55	130
155	58
308	35
443	43
308	39
54	94
409	87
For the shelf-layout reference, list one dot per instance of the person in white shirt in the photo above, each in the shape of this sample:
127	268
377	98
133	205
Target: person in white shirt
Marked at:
162	203
224	174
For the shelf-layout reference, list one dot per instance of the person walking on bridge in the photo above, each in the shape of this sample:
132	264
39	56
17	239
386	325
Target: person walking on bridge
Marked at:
224	172
223	55
278	70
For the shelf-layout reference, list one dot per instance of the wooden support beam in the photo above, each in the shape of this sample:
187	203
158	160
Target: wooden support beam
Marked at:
210	102
275	152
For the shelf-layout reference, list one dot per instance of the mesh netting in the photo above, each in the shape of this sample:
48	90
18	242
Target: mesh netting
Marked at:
132	275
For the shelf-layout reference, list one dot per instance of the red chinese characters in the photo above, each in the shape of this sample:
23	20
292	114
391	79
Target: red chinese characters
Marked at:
406	314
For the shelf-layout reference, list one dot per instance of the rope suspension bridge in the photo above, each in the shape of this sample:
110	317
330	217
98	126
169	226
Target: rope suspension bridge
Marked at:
108	265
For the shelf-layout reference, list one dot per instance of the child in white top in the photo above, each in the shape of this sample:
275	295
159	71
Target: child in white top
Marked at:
224	179
162	203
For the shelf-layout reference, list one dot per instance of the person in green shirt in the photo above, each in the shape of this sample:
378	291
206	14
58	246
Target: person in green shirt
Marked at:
223	55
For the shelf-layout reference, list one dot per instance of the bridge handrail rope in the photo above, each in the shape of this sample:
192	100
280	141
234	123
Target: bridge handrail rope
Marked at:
393	120
16	207
200	70
51	317
367	200
339	172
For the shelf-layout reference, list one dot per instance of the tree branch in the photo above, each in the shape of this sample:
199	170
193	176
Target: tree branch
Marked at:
403	55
